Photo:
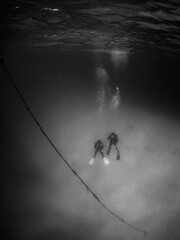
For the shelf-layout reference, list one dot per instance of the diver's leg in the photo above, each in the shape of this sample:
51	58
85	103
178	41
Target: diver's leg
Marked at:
96	151
102	154
106	161
109	149
118	153
93	159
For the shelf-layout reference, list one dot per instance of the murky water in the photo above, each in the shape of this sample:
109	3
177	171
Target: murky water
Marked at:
85	69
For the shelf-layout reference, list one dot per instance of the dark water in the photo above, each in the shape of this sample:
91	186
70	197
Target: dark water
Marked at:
136	26
68	58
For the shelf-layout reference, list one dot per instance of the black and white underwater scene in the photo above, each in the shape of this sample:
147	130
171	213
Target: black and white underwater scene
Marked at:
90	119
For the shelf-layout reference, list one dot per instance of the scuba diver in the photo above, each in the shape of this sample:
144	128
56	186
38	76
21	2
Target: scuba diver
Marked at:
113	140
99	148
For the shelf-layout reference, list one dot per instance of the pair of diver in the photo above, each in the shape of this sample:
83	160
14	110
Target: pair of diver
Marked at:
99	146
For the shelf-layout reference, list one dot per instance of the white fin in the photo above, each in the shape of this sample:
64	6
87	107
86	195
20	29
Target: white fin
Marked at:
91	161
106	161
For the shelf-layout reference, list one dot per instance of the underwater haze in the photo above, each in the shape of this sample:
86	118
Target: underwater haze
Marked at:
44	200
86	69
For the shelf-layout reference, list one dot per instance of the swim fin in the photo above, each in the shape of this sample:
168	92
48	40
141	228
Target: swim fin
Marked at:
106	161
91	161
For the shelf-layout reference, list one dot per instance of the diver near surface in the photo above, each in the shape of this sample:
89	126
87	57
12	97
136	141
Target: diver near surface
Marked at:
113	140
99	146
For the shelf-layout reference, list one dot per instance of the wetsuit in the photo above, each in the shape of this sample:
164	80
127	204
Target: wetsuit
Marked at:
98	148
113	140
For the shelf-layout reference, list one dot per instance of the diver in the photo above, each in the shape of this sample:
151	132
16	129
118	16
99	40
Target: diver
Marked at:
113	140
99	148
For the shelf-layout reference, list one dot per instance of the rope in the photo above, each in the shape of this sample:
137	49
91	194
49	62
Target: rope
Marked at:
61	156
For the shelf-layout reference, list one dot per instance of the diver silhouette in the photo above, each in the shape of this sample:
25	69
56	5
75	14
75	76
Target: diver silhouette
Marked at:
99	146
113	140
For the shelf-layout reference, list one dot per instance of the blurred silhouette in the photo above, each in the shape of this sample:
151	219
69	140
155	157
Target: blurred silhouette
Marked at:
113	140
99	146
